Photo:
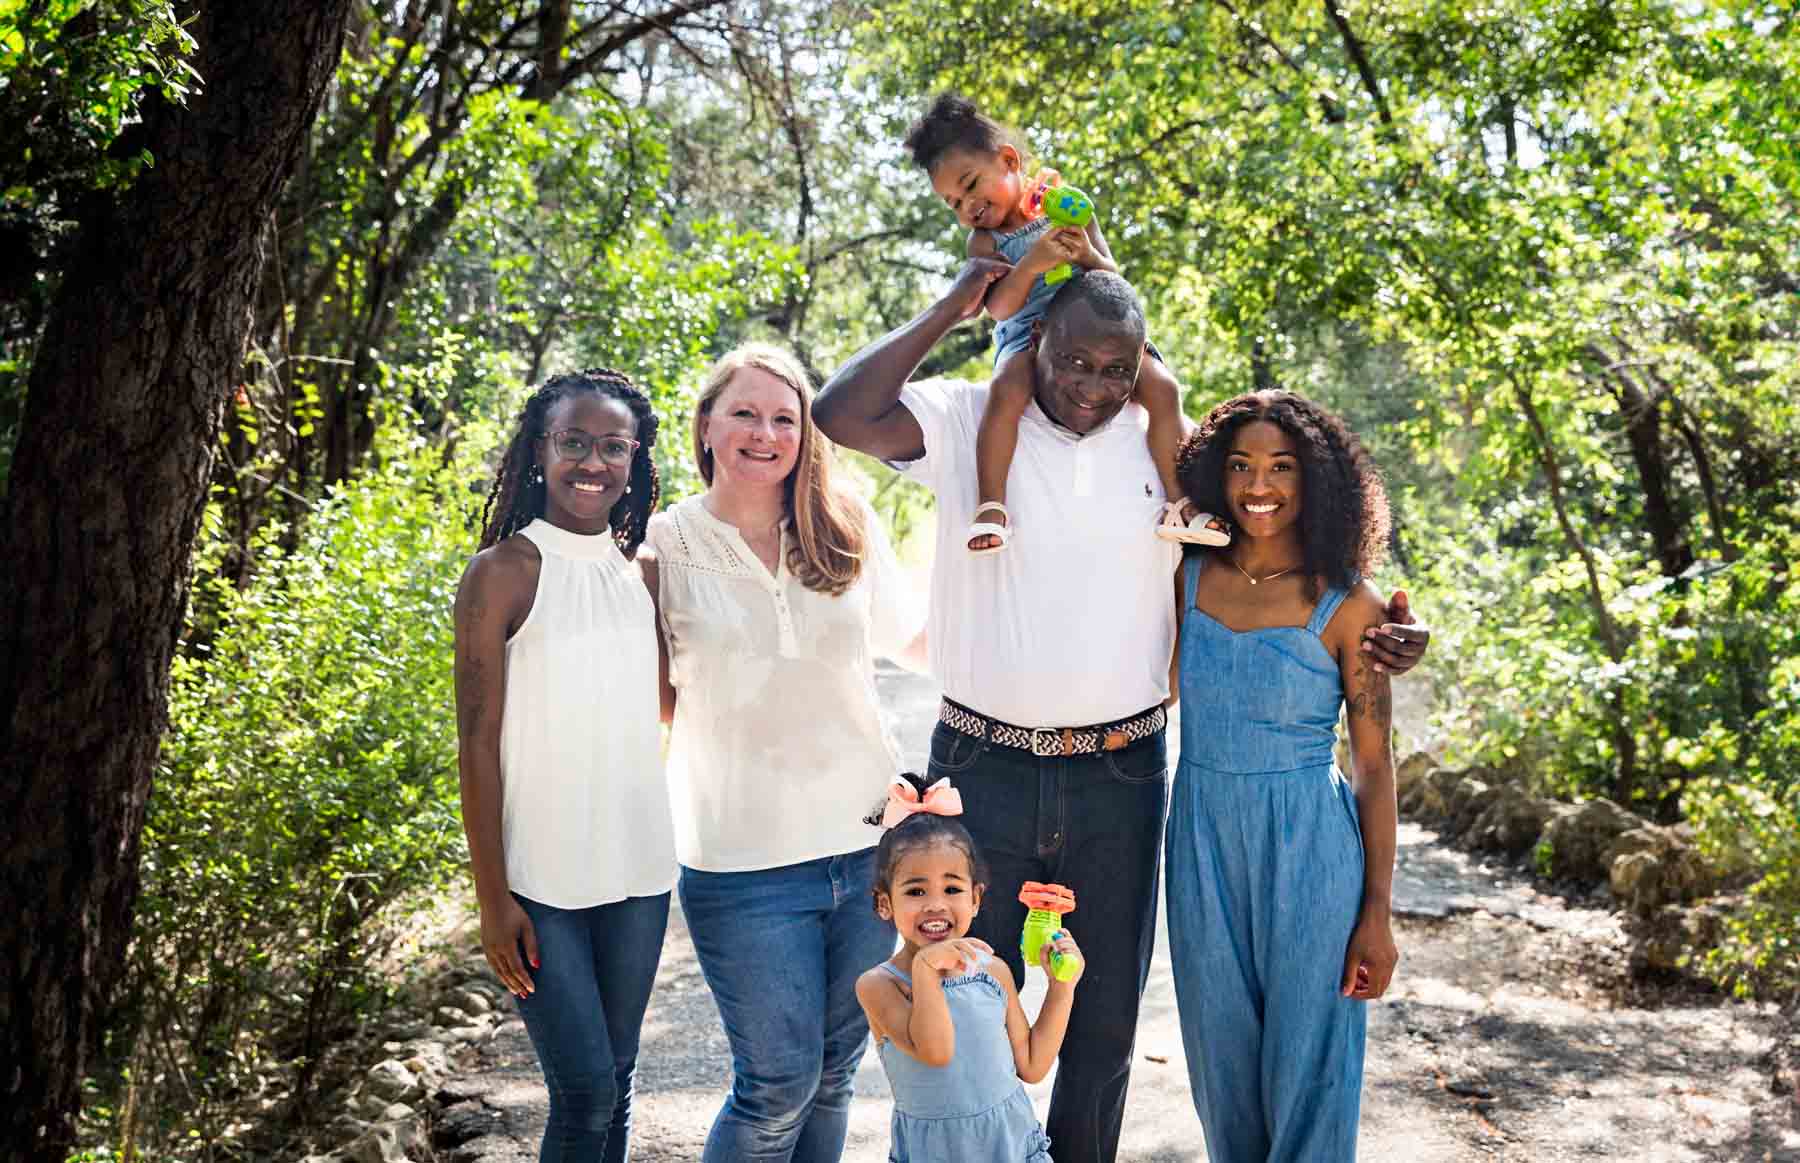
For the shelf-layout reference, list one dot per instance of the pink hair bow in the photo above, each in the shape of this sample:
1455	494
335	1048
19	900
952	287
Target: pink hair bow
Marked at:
940	799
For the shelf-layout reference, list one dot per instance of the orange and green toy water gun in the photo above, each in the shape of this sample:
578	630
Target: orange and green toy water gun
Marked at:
1048	903
1063	206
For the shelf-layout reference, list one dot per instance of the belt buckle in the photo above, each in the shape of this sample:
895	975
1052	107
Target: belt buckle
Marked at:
1046	742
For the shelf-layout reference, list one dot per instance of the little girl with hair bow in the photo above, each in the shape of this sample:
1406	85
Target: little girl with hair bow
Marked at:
944	1010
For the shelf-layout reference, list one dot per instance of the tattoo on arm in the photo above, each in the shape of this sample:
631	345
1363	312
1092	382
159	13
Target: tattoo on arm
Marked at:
1374	697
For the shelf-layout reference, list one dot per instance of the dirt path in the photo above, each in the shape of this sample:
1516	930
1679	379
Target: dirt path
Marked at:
1510	1034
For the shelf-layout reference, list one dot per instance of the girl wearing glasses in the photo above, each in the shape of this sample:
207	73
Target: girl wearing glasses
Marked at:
776	588
563	795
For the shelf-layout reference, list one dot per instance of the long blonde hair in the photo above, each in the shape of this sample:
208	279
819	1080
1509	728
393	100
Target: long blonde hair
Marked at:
829	534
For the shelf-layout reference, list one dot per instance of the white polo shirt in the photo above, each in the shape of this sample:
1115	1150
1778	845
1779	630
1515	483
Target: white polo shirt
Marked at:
1074	622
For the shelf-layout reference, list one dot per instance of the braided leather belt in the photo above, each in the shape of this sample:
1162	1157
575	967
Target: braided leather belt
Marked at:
1049	741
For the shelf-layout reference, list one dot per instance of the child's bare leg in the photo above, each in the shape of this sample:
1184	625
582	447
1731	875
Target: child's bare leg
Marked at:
997	438
1160	395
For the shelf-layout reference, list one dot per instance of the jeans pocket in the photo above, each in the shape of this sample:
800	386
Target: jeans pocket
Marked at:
1141	764
952	751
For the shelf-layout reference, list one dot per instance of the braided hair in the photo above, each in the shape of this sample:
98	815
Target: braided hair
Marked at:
1344	516
517	498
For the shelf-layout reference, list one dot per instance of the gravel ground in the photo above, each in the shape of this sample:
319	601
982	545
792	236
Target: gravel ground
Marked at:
1511	1033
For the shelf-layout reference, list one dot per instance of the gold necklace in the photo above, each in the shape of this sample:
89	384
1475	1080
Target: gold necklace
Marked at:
1258	581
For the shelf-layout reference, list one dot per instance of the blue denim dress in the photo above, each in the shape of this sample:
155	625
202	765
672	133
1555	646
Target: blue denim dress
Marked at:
975	1110
1014	333
1265	867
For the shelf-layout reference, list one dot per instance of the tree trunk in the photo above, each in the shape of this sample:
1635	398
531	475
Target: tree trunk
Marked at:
1709	488
143	346
1642	415
1624	742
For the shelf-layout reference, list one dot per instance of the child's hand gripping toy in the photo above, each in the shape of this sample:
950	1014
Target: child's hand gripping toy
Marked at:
1048	903
1063	206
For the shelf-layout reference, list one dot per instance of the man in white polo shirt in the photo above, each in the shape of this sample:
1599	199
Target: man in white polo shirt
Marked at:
1054	653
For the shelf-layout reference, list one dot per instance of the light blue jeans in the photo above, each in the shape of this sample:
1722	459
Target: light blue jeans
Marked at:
595	969
781	950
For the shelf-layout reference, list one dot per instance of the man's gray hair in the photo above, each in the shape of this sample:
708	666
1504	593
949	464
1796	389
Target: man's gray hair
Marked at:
1106	294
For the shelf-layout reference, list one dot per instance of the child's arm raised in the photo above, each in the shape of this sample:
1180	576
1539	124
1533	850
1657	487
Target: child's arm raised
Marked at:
1053	248
1099	253
888	1007
920	1023
1035	1047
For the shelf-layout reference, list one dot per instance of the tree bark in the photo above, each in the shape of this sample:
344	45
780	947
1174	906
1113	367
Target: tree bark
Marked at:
1641	413
143	346
1624	742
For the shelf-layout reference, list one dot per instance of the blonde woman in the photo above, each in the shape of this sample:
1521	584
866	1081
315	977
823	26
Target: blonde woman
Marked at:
775	589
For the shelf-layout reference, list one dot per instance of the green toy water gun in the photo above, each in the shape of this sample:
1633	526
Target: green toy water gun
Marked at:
1048	903
1064	206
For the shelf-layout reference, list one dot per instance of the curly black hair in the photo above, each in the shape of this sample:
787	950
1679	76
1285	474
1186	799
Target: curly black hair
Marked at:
917	831
517	498
1344	517
953	122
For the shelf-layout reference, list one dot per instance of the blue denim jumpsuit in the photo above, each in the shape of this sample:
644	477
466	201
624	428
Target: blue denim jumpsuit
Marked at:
1265	876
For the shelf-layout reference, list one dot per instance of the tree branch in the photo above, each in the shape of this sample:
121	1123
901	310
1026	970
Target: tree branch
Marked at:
1360	58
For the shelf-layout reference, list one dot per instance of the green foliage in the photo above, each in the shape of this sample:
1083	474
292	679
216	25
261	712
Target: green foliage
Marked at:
75	75
307	784
1545	254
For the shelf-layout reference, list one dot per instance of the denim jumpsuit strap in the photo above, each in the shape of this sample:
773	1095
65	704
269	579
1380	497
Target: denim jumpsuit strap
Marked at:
972	1109
1327	606
1265	874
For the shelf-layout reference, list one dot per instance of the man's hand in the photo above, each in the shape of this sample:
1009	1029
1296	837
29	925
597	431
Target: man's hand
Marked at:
967	294
1399	643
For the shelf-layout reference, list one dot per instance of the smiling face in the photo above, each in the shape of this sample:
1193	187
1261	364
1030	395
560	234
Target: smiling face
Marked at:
753	428
933	896
1086	367
982	189
1263	480
579	495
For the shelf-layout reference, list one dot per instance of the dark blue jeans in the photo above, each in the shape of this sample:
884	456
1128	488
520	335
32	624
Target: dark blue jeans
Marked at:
1093	823
595	969
781	949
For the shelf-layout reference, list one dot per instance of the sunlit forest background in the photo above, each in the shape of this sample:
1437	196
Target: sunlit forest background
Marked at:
1543	254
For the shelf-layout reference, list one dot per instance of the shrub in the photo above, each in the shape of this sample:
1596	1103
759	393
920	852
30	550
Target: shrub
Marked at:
308	782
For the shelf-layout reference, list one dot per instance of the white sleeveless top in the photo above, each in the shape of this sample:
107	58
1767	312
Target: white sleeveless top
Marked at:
585	806
778	749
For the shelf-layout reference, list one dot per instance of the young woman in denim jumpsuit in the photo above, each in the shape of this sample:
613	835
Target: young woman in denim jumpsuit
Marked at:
1280	867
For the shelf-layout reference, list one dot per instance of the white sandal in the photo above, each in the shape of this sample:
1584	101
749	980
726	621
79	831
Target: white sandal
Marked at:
989	528
1199	531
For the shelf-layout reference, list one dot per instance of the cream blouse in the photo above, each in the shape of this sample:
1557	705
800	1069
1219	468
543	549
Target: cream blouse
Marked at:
777	749
584	809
